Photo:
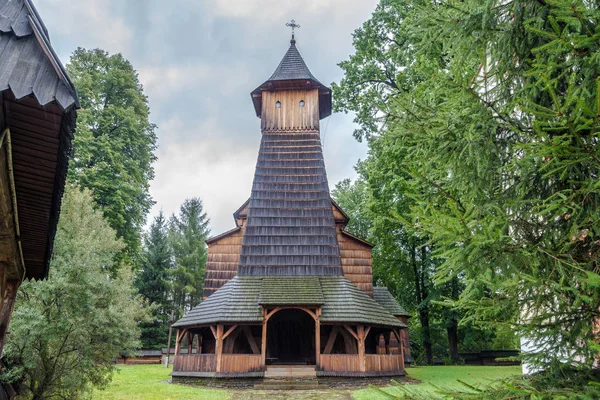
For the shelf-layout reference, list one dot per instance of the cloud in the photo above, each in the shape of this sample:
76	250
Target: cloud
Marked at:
213	168
198	61
102	26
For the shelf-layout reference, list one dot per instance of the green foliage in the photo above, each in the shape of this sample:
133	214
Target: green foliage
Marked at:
188	233
495	144
66	331
114	142
153	282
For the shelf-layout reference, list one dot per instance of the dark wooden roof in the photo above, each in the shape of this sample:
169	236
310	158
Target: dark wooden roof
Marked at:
39	104
292	73
290	228
240	299
28	64
387	301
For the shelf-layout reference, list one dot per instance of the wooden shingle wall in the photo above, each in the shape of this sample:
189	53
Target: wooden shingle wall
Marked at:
223	260
224	252
356	261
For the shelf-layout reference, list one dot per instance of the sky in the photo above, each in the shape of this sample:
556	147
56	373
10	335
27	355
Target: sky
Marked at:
198	62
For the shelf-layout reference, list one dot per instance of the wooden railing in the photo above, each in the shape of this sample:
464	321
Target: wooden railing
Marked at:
339	362
241	363
351	363
383	362
195	363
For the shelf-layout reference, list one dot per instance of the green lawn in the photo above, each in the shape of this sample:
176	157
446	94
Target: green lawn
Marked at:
141	382
433	378
150	382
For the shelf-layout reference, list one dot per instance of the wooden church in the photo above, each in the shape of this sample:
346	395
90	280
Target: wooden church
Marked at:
289	291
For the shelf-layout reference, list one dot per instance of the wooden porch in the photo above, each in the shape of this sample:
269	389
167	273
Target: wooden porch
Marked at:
338	350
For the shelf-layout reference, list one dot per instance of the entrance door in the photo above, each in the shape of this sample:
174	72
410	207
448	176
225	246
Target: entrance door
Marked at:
291	338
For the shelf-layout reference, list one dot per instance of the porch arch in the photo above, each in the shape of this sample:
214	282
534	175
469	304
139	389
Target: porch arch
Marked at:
291	335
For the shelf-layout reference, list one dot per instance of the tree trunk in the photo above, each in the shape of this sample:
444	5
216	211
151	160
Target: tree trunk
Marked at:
453	339
421	292
453	328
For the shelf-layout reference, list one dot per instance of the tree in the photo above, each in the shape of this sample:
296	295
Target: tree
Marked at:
114	143
153	282
497	143
188	233
67	331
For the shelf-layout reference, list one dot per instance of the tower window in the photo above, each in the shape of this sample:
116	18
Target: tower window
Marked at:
301	103
278	104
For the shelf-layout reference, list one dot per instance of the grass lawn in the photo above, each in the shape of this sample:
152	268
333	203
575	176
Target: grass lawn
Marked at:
141	382
149	382
442	377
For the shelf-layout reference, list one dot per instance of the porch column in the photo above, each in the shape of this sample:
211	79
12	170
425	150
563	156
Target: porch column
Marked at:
361	347
190	340
219	346
263	343
401	348
6	307
177	343
318	337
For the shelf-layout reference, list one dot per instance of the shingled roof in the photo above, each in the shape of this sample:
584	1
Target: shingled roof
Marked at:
39	101
240	300
28	64
293	67
290	228
292	72
387	301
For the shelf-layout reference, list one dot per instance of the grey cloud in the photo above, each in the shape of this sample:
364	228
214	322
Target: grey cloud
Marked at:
198	61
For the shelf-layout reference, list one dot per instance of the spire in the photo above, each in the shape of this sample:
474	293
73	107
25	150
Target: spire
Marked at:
292	67
293	73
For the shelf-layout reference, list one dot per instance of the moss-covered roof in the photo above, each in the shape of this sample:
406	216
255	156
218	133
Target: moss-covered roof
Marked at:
387	301
240	300
305	290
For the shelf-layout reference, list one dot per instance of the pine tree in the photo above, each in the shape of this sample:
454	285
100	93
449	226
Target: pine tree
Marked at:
188	233
153	282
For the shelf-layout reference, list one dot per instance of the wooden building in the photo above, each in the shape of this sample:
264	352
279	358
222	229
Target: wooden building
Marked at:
37	120
289	286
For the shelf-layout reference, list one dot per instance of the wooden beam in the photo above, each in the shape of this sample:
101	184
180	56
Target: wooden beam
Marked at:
199	344
190	341
317	339
351	332
214	331
229	344
263	344
8	302
367	330
331	340
219	349
251	339
177	343
350	343
401	345
270	314
361	348
229	331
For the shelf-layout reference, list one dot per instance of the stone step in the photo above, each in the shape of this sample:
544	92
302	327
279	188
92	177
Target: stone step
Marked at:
287	384
290	371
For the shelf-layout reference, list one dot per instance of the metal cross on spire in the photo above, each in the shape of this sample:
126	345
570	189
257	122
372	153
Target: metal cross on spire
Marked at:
292	24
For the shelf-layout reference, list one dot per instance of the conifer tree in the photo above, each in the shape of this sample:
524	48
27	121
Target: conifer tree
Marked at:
153	281
188	233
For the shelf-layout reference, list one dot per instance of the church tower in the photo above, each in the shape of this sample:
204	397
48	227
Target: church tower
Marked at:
288	285
290	228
